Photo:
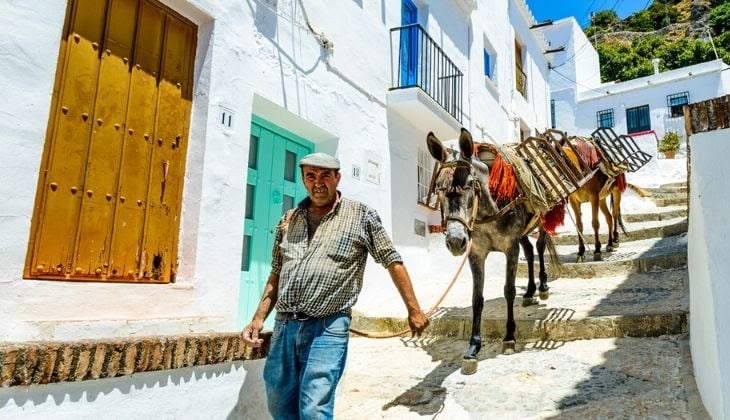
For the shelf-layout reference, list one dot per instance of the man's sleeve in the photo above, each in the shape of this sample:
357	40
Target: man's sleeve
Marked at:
378	242
276	257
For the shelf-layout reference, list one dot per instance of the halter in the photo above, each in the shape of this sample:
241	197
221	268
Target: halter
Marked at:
469	226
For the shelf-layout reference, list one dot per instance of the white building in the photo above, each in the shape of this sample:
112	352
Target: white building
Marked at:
647	105
147	143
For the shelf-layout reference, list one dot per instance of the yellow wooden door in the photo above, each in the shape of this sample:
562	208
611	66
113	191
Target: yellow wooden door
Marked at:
110	190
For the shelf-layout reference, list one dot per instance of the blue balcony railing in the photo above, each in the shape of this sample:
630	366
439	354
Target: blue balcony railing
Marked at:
417	61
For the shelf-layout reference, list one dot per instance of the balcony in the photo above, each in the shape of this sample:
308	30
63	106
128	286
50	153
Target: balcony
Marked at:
424	81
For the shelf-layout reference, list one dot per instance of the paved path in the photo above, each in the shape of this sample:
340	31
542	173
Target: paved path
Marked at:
585	379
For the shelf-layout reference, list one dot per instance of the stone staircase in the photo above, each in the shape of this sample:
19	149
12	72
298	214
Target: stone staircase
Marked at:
615	330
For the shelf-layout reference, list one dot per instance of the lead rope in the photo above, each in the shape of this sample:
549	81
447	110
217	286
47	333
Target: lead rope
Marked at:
430	312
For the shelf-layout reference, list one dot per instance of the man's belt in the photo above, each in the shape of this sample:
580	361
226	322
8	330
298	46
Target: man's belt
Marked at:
292	316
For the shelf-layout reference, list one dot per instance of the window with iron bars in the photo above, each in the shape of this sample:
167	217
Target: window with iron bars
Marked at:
604	118
552	113
638	119
676	103
425	167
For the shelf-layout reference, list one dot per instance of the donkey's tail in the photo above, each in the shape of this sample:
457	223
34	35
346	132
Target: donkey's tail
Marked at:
638	190
552	250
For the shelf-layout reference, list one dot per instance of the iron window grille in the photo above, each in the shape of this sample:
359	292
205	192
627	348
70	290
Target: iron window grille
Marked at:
676	103
604	118
638	119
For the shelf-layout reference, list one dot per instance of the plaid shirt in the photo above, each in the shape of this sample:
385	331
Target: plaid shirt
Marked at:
324	276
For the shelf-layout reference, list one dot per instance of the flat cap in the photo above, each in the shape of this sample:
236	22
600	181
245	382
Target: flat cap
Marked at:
320	160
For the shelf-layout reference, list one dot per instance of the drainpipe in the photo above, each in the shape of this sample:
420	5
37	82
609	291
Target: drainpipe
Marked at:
655	63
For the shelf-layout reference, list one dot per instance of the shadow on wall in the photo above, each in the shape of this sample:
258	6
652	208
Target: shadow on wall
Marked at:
146	393
251	402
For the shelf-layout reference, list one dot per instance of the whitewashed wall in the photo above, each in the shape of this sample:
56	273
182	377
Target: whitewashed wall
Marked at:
212	392
709	269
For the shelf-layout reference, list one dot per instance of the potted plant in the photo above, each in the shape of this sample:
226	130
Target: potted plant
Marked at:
669	144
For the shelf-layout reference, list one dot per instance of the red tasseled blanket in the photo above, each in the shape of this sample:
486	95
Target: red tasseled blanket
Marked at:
553	219
621	183
502	181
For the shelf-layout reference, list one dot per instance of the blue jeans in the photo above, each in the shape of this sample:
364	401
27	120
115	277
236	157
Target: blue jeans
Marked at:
305	362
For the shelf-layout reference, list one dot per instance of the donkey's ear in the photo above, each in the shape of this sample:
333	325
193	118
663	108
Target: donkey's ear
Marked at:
435	147
466	144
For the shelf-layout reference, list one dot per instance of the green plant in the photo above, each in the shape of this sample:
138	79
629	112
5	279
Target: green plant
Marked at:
669	142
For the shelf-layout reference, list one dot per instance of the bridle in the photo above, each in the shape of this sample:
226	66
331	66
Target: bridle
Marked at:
477	187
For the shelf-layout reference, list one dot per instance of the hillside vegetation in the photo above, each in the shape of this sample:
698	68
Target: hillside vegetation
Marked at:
675	31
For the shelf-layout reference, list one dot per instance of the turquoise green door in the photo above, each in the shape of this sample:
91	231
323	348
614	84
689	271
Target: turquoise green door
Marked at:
274	185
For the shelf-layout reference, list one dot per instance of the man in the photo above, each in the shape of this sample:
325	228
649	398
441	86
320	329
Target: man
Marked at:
319	257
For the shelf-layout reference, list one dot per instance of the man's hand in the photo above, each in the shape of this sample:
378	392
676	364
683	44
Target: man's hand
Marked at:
251	332
418	322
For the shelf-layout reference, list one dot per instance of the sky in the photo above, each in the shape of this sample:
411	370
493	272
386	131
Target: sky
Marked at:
580	9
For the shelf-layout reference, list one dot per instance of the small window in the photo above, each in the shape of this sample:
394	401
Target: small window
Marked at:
253	151
552	113
604	118
250	192
425	167
490	60
676	104
487	64
246	253
638	119
289	166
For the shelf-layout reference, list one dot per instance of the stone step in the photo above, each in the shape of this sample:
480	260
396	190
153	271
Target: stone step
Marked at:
631	257
671	201
667	190
661	213
681	186
594	269
637	305
636	231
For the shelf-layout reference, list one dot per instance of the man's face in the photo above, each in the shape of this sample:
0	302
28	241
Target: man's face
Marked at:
321	184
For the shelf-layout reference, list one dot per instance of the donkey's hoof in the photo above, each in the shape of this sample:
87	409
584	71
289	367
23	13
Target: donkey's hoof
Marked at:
468	366
529	301
609	248
580	259
597	256
544	295
508	347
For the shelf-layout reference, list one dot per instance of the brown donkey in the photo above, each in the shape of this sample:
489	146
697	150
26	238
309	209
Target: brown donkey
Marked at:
595	192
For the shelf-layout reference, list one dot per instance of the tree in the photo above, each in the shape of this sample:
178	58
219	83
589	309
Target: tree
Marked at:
662	13
604	19
640	22
720	18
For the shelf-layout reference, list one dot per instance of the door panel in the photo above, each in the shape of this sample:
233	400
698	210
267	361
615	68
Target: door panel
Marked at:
134	177
102	167
409	43
274	185
53	250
